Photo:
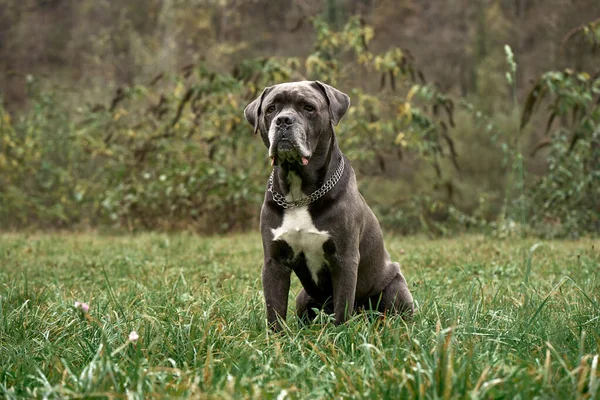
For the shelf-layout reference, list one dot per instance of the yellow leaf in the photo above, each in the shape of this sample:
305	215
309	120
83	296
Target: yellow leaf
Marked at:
369	33
365	58
178	89
412	92
400	139
233	102
404	111
584	76
378	62
120	113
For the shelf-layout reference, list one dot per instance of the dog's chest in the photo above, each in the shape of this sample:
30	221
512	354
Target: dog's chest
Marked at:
301	234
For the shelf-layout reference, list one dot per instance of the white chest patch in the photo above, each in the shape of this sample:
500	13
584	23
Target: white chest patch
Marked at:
299	232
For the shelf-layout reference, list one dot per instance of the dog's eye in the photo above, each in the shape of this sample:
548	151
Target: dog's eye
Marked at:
309	108
270	109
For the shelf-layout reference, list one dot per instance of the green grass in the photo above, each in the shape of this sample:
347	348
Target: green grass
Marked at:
496	319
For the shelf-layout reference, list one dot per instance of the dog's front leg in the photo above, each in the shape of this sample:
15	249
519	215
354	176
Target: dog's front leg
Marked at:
276	287
344	276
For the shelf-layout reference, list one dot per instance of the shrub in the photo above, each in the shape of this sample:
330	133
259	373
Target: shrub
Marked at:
567	197
175	153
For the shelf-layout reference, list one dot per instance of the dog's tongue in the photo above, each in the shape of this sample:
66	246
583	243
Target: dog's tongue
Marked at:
304	161
272	161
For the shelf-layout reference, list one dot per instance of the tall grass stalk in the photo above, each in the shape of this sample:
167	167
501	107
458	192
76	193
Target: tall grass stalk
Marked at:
516	156
518	170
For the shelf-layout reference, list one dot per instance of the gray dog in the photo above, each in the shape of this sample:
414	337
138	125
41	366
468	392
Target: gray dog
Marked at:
313	220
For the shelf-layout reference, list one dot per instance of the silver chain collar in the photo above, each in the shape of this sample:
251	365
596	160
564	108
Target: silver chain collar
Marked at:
306	200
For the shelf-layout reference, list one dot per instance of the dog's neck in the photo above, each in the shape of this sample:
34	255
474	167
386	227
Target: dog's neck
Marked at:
295	181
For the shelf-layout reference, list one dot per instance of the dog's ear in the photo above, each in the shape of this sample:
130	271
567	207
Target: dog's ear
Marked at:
252	111
338	101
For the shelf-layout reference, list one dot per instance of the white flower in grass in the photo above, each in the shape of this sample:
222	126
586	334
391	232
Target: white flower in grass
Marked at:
82	306
133	336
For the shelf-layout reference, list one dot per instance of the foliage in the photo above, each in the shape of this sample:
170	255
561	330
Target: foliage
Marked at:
172	154
387	120
405	118
175	152
40	166
567	198
488	326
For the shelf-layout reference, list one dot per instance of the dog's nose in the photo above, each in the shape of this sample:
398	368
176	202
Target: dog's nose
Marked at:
285	120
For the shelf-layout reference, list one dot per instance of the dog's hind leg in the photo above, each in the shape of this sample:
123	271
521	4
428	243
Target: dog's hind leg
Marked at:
306	305
395	297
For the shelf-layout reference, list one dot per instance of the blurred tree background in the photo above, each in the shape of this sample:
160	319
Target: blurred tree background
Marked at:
466	114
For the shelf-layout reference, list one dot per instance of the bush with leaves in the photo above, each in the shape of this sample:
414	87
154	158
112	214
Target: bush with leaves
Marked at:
176	153
567	199
172	154
43	168
406	118
181	154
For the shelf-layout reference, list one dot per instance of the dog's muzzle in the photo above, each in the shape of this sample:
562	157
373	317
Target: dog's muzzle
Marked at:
287	141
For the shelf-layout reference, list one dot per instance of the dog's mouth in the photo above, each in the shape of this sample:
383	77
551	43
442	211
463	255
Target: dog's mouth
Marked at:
286	151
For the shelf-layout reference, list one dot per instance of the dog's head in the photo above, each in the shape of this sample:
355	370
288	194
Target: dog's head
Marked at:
295	118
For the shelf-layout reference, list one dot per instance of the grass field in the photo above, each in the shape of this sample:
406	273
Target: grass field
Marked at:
496	319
